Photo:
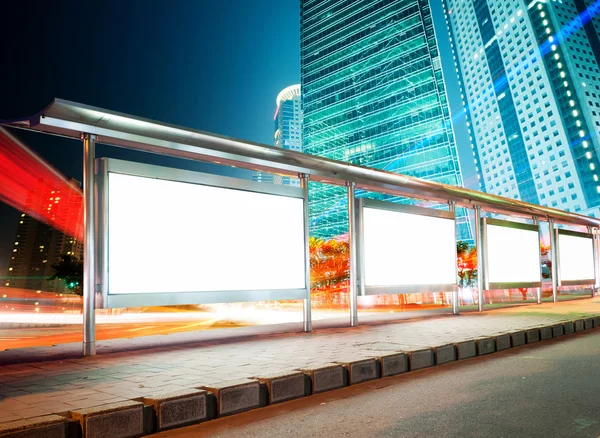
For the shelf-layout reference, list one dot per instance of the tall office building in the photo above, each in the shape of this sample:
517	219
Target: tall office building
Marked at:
530	79
38	245
592	27
374	95
288	126
288	132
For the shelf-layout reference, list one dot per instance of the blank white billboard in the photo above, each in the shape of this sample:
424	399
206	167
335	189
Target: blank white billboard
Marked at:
513	255
576	258
168	236
402	249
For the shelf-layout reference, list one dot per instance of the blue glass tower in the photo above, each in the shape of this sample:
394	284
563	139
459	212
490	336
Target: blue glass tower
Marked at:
374	95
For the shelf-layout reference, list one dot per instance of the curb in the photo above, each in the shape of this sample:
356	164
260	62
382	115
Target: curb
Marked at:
165	411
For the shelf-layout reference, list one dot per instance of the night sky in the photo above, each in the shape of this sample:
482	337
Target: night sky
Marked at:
214	66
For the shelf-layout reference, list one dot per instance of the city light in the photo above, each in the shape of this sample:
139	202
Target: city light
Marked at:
27	182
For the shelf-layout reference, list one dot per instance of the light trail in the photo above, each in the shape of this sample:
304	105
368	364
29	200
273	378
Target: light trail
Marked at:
31	185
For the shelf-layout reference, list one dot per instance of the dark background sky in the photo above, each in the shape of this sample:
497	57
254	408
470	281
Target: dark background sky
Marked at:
211	65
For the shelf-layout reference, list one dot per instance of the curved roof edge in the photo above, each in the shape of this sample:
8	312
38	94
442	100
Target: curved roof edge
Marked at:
288	93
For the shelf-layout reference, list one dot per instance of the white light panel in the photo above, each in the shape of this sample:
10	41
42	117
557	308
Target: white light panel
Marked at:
403	249
513	255
167	236
576	258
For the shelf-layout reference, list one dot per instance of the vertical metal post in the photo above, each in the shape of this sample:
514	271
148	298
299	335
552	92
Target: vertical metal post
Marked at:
352	231
307	314
595	255
597	259
538	291
360	249
455	310
554	260
480	250
89	262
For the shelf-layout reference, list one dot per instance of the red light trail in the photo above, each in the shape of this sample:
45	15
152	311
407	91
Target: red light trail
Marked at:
31	185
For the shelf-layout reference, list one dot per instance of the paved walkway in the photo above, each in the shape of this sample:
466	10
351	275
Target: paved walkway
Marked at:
39	388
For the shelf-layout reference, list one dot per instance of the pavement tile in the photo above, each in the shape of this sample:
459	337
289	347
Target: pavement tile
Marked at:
31	412
84	403
12	405
53	406
8	416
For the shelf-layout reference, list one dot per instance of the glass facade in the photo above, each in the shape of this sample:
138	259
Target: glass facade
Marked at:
374	95
530	79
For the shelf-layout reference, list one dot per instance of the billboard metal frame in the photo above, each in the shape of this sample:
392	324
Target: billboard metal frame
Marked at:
518	226
364	290
582	282
104	299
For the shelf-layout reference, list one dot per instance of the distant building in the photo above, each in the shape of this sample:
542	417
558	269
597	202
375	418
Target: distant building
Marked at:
38	246
288	132
373	94
263	177
530	78
288	126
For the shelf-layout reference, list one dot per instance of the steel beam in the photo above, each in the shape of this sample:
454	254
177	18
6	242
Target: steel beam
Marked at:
480	248
307	314
89	260
538	290
352	233
455	303
554	260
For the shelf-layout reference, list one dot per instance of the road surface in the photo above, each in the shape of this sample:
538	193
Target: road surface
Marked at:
550	389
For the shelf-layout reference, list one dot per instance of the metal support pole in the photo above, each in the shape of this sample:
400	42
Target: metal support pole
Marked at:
89	262
554	258
307	314
455	310
597	259
538	291
480	250
352	232
595	255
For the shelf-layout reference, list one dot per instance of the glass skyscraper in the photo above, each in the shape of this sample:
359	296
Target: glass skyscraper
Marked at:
373	94
530	78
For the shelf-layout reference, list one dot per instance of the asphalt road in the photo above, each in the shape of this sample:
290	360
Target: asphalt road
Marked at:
549	389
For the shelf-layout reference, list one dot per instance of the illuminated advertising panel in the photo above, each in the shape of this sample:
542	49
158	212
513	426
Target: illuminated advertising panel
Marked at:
512	255
175	237
406	249
575	258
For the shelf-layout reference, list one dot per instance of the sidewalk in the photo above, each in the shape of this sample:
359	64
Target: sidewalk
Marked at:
60	387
